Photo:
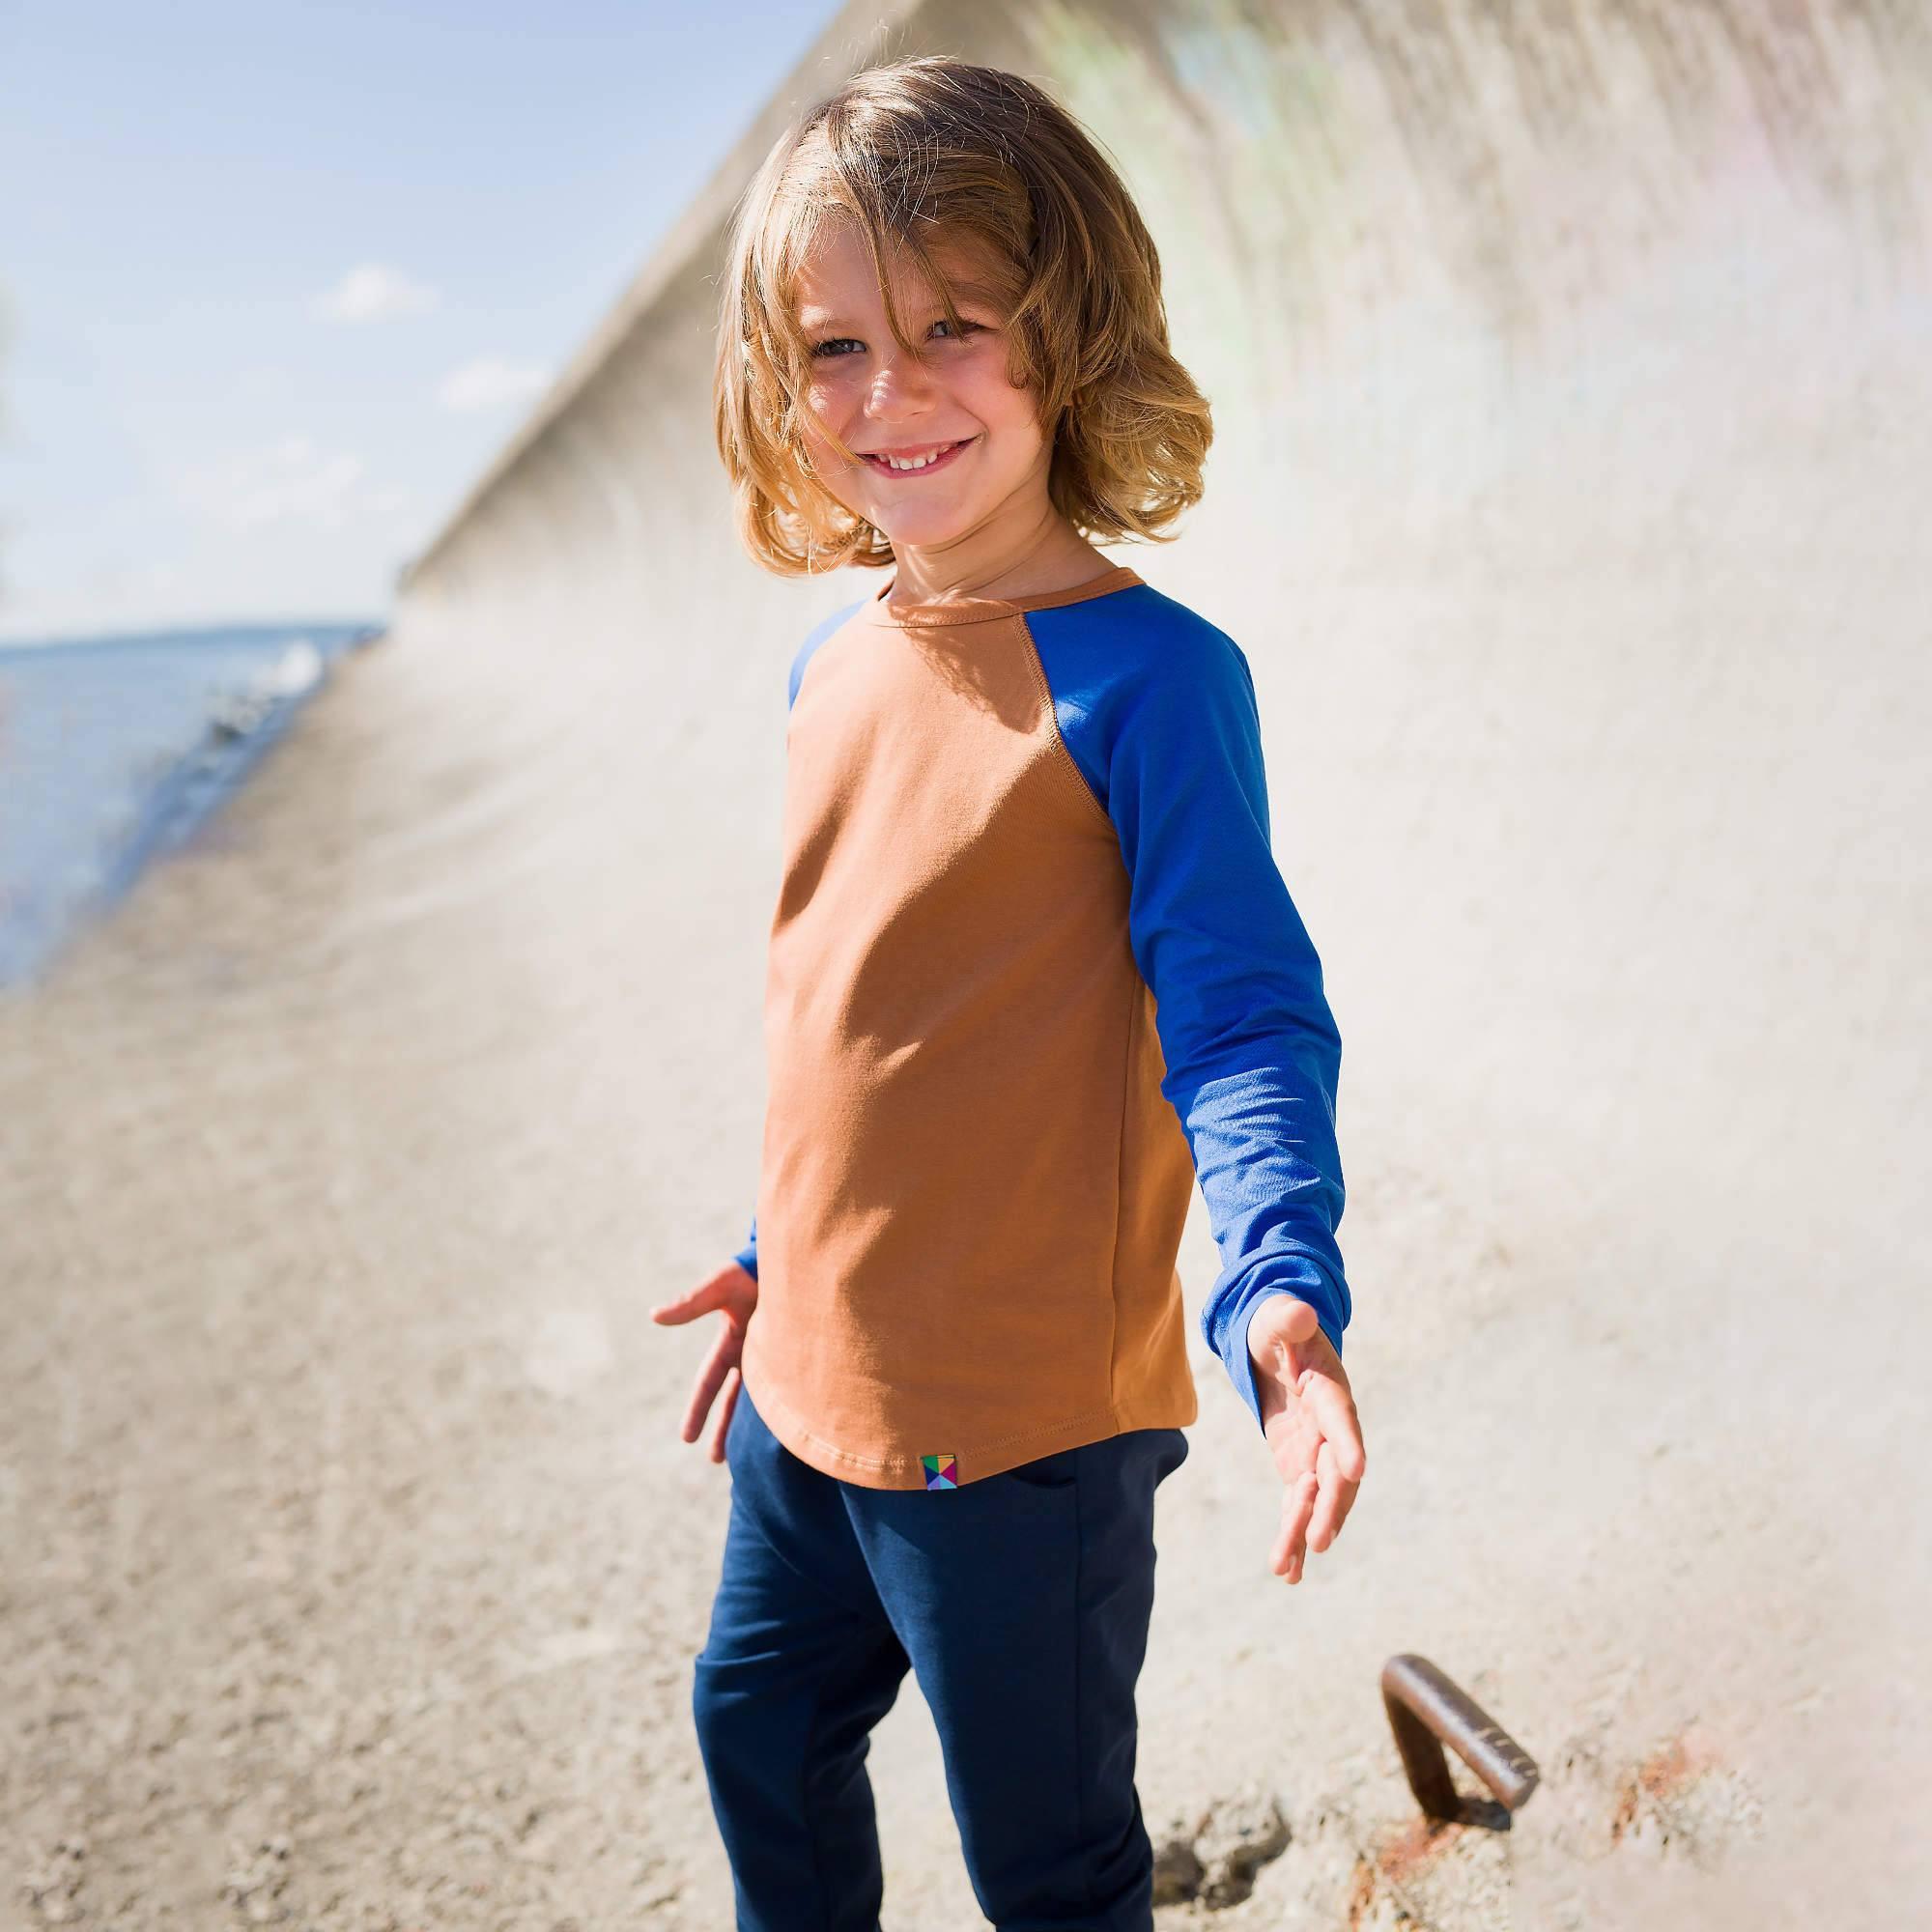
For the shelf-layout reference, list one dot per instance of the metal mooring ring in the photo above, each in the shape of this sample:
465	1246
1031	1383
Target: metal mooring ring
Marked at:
1426	1711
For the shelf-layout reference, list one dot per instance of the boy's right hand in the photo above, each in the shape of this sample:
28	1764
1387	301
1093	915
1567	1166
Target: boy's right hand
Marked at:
734	1294
1308	1415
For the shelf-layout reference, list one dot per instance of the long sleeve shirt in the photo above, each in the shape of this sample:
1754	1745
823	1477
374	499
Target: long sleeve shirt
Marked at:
1034	974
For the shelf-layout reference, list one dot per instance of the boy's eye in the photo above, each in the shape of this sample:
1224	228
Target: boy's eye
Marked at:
831	347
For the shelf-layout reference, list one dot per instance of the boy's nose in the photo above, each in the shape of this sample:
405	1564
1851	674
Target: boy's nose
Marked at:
901	378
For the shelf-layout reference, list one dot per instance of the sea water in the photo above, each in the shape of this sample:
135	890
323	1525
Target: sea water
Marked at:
114	750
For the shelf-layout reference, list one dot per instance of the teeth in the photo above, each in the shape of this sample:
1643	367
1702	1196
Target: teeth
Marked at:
918	462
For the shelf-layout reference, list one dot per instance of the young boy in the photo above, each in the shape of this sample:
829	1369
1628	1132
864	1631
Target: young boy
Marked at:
1033	971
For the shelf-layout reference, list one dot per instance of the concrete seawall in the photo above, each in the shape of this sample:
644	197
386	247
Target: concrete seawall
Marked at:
1573	384
1571	370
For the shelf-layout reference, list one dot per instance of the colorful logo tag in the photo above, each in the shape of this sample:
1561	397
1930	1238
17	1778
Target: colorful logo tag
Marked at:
942	1472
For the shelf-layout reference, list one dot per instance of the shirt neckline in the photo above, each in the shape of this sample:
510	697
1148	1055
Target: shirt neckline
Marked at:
985	610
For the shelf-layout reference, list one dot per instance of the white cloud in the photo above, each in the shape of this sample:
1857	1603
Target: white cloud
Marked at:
291	481
372	292
489	382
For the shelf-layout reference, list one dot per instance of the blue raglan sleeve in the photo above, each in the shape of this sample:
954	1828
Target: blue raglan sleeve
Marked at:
1251	1047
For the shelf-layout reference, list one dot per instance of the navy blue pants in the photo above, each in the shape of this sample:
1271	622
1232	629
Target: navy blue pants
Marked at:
1021	1601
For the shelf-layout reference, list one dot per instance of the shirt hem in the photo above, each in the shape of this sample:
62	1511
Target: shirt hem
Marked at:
972	1461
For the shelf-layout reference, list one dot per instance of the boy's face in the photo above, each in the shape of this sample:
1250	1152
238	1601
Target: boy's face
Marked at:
953	397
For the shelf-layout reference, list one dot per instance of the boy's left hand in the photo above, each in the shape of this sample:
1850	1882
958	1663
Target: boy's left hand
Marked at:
1308	1417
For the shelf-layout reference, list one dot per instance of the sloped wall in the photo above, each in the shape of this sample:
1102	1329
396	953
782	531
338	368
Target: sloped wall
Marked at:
1570	390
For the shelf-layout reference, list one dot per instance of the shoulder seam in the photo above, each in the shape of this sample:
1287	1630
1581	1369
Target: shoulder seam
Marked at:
819	634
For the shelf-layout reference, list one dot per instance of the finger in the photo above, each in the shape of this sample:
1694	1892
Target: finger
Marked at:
1347	1494
1344	1496
1298	1541
676	1309
1291	1544
1332	1510
704	1390
696	1301
733	1384
711	1378
1335	1411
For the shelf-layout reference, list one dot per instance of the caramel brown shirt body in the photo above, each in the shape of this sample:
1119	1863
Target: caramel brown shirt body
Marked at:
973	1185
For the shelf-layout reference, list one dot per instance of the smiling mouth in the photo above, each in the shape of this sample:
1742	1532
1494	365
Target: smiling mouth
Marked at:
924	468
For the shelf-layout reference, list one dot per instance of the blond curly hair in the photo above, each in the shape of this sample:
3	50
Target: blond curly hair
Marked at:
935	151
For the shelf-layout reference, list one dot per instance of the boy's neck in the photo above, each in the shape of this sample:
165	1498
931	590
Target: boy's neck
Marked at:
1054	557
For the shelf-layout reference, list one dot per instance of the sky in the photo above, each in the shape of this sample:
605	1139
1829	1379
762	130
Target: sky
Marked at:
279	280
